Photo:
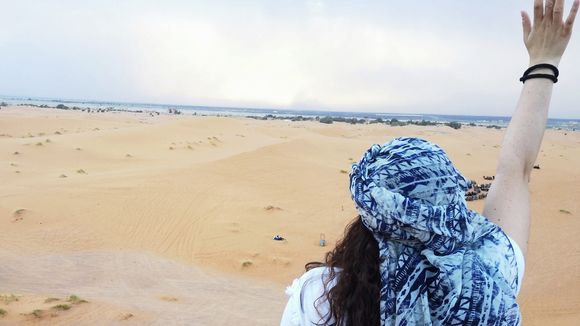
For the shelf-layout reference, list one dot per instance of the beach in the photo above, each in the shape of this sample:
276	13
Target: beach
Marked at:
169	219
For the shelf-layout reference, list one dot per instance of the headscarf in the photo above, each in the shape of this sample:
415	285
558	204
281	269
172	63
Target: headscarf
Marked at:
440	262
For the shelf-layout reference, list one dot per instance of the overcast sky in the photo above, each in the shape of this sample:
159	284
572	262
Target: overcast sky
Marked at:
448	57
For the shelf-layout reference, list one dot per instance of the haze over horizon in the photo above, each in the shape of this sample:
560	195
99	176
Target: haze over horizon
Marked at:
448	57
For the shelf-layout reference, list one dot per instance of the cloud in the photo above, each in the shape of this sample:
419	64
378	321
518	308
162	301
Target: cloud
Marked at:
444	57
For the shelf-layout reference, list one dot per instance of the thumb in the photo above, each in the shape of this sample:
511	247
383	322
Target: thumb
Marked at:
527	25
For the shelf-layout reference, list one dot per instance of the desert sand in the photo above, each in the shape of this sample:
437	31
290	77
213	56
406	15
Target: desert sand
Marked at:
168	220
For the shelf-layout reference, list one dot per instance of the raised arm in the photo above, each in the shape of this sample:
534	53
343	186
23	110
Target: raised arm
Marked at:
508	202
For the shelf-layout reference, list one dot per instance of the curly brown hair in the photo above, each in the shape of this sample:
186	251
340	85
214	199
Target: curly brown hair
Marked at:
354	299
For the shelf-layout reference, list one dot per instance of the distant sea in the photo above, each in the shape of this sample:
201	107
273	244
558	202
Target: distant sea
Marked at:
565	124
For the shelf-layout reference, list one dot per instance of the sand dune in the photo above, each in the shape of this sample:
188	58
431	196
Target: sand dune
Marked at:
128	288
189	198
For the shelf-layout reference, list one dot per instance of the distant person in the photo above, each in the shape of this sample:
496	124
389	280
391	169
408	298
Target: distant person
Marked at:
416	255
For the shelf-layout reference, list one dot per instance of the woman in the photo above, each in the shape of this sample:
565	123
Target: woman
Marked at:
416	255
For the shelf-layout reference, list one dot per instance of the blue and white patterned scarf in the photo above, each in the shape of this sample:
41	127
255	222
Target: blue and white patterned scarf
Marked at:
441	263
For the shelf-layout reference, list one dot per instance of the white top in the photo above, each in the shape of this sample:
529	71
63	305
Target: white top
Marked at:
305	290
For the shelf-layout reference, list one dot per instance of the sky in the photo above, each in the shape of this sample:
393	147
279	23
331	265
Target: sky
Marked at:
445	56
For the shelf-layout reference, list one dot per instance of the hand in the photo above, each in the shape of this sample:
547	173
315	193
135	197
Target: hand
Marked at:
546	41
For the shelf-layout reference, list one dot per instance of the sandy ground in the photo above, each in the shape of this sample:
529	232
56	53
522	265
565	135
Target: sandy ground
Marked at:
169	219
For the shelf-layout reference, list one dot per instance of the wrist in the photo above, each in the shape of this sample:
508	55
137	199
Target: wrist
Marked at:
554	62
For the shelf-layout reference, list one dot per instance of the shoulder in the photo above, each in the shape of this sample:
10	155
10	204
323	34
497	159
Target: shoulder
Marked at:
306	302
309	284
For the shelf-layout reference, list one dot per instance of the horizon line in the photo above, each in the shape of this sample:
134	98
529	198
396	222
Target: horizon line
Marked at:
92	101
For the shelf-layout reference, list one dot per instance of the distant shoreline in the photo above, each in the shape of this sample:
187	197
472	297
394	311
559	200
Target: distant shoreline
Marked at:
393	119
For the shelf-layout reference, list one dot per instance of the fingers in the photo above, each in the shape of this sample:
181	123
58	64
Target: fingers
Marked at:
549	12
558	11
527	25
538	11
571	17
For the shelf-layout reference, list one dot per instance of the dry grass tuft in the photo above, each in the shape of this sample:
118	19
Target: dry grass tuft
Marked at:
61	307
49	300
272	208
81	171
74	299
2	312
37	313
247	263
9	298
563	211
343	171
19	212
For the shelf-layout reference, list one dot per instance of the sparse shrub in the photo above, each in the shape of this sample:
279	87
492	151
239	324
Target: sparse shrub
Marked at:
454	125
16	153
247	263
563	211
2	312
81	171
61	307
37	313
327	120
5	298
74	299
39	144
49	300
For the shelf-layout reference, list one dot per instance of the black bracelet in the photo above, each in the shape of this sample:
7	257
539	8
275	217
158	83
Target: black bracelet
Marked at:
543	65
554	77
